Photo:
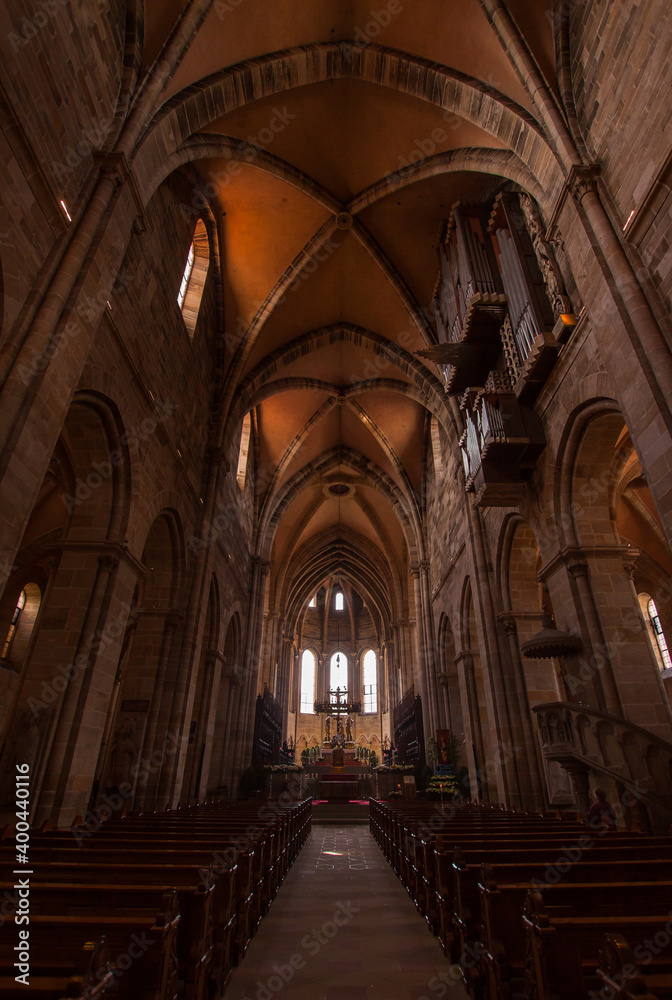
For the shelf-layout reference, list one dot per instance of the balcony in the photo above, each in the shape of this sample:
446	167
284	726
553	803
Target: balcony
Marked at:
501	443
492	301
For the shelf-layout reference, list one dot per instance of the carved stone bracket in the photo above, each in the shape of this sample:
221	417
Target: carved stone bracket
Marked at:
508	622
545	257
118	169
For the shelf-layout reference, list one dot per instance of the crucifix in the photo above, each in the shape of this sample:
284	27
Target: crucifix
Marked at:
338	694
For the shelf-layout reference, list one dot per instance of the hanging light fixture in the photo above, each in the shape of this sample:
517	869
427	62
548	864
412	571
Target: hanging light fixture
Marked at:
338	489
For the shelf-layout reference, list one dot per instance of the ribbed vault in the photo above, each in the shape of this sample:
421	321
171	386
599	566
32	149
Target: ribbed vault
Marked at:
330	153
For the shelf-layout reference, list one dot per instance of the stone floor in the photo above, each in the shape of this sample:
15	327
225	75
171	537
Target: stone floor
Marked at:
343	928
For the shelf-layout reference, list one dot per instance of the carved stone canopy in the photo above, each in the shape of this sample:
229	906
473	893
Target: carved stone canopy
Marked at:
550	641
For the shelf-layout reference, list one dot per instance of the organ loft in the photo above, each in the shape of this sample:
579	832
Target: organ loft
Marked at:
335	482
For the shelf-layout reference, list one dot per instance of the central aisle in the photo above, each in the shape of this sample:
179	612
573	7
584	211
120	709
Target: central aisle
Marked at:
343	928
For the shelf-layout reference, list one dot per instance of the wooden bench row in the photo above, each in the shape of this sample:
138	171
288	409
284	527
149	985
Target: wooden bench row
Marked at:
151	906
535	906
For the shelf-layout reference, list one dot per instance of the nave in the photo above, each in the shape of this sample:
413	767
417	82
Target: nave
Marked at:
352	933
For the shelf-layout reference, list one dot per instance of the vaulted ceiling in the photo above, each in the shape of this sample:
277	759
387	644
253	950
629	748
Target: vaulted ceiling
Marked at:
329	193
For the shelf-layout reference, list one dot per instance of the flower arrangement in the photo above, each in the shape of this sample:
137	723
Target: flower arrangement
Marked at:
273	768
388	768
432	751
443	784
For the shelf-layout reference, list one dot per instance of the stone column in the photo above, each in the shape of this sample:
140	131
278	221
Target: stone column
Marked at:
234	683
82	629
245	728
578	773
528	762
421	672
430	646
495	681
602	673
473	735
205	727
642	343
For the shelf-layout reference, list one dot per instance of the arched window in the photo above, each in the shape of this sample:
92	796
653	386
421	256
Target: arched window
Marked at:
244	450
338	601
21	626
20	605
308	682
659	635
435	439
370	678
338	673
193	279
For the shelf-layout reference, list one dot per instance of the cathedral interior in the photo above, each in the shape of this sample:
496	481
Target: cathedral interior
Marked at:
336	353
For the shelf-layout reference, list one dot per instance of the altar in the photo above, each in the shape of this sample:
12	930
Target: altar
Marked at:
349	754
339	787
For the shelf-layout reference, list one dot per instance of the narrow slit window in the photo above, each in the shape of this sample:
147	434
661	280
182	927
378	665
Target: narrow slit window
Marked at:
20	605
312	603
192	285
244	452
338	601
338	674
370	672
661	641
189	267
308	682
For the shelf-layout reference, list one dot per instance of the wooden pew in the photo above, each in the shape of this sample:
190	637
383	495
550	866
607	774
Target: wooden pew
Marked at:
90	977
503	943
442	873
142	950
158	847
139	859
623	977
195	935
563	952
465	903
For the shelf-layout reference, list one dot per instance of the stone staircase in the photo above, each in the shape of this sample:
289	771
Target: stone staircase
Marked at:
594	748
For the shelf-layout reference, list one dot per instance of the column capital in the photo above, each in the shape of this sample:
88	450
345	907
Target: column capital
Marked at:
630	562
507	620
115	166
582	180
174	618
212	656
262	565
465	656
572	557
109	562
217	456
114	550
